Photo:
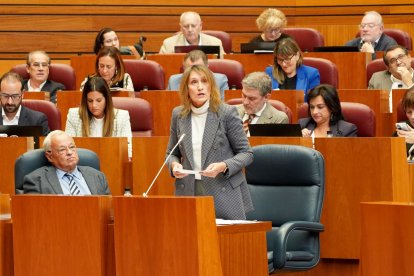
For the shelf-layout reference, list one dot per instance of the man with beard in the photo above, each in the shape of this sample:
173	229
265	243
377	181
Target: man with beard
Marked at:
12	112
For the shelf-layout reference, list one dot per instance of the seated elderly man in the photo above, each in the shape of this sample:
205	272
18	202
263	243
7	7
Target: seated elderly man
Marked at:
38	63
399	73
12	110
64	176
255	109
190	25
372	38
197	57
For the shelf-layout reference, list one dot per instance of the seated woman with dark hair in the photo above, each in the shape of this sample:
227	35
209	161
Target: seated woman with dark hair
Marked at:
110	67
406	128
325	115
108	37
288	71
96	116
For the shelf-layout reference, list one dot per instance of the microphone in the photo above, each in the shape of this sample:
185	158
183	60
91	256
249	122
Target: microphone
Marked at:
165	162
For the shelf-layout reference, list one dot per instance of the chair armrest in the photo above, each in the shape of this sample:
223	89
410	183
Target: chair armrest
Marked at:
282	235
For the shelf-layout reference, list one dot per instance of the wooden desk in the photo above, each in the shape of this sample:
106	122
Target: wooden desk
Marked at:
387	239
358	169
37	95
11	148
351	66
6	243
62	235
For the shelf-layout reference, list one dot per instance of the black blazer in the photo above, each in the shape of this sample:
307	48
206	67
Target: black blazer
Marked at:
339	129
29	117
50	86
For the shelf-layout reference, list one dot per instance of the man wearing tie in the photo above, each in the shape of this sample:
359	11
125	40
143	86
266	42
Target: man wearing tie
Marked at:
255	109
64	176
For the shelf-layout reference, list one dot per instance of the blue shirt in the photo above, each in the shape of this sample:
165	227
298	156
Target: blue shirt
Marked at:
77	177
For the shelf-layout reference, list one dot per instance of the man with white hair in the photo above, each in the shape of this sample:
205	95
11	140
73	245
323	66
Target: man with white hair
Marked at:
372	38
190	34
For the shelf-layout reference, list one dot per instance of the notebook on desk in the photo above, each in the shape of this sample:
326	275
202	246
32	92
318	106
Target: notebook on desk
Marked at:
207	49
22	131
336	49
257	47
275	130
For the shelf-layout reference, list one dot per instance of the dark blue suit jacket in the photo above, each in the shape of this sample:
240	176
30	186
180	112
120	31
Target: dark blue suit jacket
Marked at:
29	117
306	78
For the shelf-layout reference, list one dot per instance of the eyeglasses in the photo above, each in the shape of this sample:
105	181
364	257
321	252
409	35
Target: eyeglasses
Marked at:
275	31
398	58
64	149
14	97
369	25
285	60
110	41
37	65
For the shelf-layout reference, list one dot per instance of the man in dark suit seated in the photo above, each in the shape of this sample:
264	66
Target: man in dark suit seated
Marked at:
372	38
197	57
64	176
13	113
37	66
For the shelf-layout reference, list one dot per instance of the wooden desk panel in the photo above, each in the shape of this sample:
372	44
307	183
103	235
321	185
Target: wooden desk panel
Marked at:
6	244
378	101
63	235
358	169
171	63
11	148
84	66
387	239
351	66
162	103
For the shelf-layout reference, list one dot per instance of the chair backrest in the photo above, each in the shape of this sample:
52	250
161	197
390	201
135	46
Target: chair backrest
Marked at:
358	114
401	116
307	38
35	159
145	74
378	65
48	108
287	184
224	37
275	103
140	114
327	70
63	73
231	68
400	36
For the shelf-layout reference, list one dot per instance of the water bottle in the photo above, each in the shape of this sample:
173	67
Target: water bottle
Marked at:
127	191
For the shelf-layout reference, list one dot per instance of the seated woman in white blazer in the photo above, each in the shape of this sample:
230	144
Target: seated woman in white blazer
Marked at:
96	116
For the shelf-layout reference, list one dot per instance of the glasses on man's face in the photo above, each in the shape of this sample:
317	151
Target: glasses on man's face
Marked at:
367	25
14	97
285	60
111	41
63	150
398	58
37	65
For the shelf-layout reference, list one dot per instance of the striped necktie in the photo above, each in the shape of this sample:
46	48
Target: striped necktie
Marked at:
73	187
247	122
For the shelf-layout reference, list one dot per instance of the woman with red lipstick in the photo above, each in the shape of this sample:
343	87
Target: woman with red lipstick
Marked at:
110	67
210	157
325	115
96	116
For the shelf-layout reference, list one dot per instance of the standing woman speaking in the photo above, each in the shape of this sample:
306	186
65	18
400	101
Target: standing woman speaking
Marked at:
215	146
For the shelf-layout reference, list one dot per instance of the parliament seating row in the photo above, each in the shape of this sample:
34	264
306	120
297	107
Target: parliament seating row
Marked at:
349	168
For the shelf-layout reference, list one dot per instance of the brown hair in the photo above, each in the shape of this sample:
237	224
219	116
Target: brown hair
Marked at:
215	100
114	53
97	84
285	48
408	100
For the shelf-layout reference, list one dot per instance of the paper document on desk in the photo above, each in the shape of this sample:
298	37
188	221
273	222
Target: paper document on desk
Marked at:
231	222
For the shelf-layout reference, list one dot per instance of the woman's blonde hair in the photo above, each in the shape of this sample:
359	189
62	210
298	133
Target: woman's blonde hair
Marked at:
203	71
270	19
285	48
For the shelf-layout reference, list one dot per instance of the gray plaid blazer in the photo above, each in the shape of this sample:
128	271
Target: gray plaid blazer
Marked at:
223	140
